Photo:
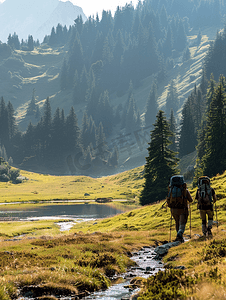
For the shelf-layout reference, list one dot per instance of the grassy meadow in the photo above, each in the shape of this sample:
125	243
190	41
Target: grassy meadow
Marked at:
37	258
42	187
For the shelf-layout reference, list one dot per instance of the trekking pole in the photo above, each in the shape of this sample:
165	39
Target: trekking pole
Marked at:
190	219
170	225
163	204
216	214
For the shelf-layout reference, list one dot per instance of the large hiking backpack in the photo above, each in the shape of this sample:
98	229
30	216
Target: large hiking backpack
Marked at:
177	192
205	191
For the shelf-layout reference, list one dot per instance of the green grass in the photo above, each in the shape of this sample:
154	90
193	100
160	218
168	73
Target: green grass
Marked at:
38	187
85	257
34	228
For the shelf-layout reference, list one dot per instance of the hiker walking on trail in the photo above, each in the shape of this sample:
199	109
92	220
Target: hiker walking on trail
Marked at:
206	197
177	200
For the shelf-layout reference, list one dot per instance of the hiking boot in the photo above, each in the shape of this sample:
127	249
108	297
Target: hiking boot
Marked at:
181	240
179	237
209	232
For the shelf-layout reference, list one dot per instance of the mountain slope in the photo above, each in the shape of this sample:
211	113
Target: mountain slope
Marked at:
24	71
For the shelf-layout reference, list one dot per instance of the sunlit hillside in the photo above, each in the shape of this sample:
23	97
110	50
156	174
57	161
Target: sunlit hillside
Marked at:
36	187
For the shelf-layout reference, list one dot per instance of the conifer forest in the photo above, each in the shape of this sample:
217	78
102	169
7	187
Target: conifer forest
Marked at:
111	55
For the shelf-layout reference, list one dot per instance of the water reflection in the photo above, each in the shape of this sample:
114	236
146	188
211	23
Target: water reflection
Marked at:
68	211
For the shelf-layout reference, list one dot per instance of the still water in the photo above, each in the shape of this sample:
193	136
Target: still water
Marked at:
67	211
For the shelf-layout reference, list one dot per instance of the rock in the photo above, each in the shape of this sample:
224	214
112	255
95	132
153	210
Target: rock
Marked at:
86	194
163	249
127	297
180	268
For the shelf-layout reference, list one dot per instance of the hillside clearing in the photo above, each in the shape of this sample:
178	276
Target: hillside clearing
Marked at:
37	187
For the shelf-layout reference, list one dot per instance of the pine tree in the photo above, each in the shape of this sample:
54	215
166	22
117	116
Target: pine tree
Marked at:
84	131
72	132
4	124
168	43
64	76
132	117
29	141
57	136
199	37
161	162
186	54
181	39
172	101
173	129
214	161
210	92
76	59
102	148
201	151
11	120
188	139
46	128
53	38
30	43
152	106
31	109
114	157
104	113
204	81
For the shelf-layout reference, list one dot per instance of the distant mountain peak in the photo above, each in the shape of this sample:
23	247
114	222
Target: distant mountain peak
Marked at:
36	17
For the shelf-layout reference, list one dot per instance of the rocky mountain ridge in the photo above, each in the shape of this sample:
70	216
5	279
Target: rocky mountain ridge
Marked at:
35	17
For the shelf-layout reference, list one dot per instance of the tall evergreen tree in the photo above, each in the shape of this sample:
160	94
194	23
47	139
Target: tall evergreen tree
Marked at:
11	120
57	137
210	92
46	129
64	76
72	132
188	138
4	124
30	43
172	101
132	117
173	129
32	108
161	162
152	105
214	161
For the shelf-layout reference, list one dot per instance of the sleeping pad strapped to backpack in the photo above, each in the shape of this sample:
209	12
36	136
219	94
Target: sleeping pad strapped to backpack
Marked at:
177	192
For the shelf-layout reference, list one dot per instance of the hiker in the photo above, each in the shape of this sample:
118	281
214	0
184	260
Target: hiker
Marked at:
177	200
206	197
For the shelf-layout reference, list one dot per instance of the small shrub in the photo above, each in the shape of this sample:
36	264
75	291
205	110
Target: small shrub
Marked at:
215	250
14	173
4	169
4	178
167	285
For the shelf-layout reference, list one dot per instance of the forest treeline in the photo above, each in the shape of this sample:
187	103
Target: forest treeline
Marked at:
203	122
55	143
162	162
112	55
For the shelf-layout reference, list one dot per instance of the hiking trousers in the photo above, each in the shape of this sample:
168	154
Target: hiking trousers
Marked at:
203	214
180	216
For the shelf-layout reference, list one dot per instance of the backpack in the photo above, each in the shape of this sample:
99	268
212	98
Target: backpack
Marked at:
177	192
205	191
